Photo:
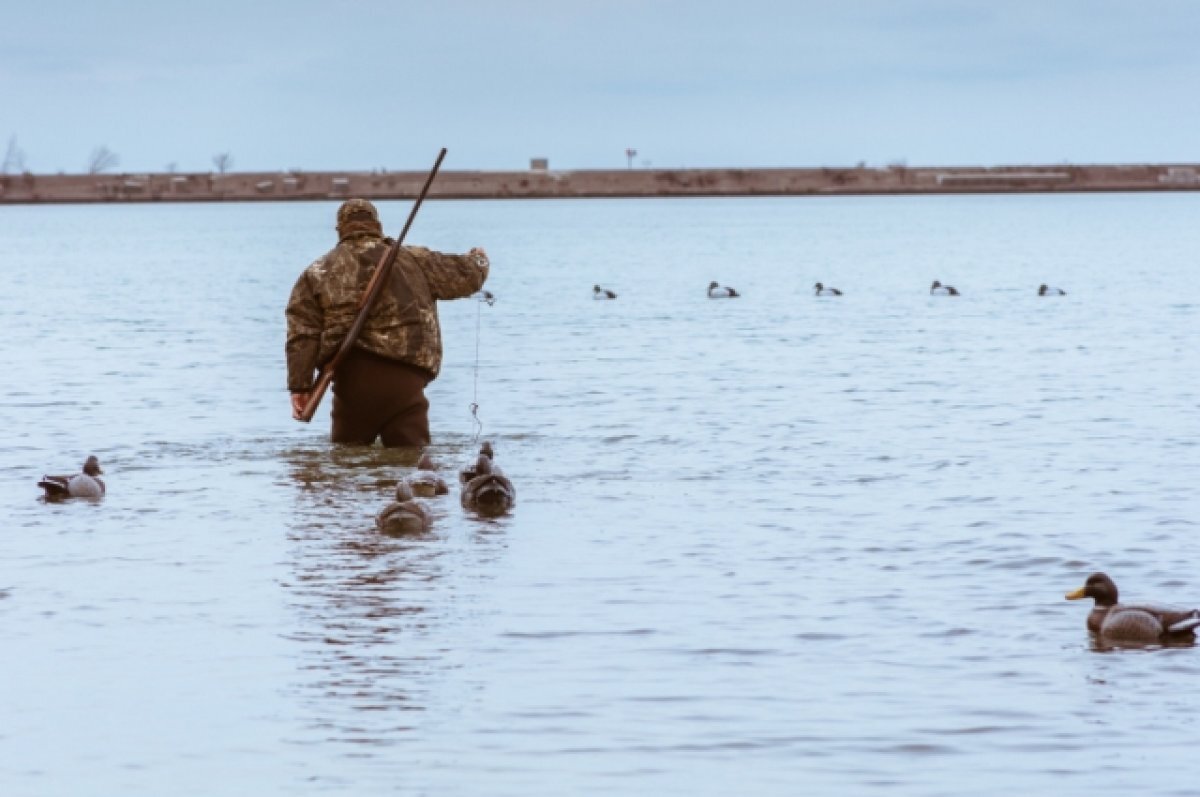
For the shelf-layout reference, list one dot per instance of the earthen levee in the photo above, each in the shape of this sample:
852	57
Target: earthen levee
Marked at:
544	184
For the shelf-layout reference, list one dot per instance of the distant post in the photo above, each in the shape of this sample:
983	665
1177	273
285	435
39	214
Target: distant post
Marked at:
630	154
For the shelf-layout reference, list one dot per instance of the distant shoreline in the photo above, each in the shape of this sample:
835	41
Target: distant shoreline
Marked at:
539	183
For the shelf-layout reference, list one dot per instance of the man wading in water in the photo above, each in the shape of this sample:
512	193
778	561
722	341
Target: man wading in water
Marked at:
379	388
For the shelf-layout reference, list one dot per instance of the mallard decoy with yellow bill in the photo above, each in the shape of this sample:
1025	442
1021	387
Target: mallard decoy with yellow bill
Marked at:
1133	622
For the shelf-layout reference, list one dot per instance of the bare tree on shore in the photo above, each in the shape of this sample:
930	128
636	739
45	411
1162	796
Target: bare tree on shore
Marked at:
14	158
102	160
223	161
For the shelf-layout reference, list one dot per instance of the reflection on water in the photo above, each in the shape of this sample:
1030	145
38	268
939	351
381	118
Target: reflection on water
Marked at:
364	602
1103	645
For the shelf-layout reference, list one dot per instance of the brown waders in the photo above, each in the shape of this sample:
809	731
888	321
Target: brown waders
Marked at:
377	397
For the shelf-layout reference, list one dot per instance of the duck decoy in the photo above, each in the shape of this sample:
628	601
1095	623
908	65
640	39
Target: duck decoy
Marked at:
489	492
1133	622
469	472
602	293
938	289
715	291
821	290
425	482
1046	290
403	516
86	484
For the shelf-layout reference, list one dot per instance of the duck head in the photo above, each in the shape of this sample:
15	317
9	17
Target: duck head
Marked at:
486	449
819	286
936	284
92	467
712	285
403	491
1098	587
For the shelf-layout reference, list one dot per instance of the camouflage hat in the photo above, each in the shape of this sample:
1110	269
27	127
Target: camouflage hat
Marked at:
357	217
357	210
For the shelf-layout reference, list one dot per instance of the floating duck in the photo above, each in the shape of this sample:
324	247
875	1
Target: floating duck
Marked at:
489	492
1133	622
715	291
1046	290
821	290
79	485
405	515
484	296
602	293
469	472
938	289
425	482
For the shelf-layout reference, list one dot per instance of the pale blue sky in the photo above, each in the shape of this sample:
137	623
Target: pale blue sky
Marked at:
361	84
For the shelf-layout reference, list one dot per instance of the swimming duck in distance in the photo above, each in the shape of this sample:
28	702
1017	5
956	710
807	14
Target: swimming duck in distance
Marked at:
1046	290
86	484
938	289
602	293
425	482
715	291
403	516
1133	622
821	290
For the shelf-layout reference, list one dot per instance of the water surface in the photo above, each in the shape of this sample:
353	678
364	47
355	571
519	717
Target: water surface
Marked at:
767	546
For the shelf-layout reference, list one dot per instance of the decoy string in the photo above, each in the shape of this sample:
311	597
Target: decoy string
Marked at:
475	388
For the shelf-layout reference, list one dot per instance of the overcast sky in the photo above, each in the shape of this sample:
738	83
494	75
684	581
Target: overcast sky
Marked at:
362	84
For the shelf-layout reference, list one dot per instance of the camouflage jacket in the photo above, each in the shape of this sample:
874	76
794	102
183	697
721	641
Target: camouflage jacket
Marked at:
402	326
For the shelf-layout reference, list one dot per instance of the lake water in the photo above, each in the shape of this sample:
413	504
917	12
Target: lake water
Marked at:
778	545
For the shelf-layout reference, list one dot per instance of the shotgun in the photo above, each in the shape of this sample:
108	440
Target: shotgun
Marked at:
374	288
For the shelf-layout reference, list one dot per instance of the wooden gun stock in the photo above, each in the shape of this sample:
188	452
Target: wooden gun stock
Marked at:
374	288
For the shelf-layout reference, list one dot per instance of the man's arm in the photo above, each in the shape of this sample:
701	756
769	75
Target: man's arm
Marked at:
305	323
453	276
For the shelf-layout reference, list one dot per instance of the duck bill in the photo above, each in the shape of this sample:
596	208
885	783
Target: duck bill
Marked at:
1076	595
